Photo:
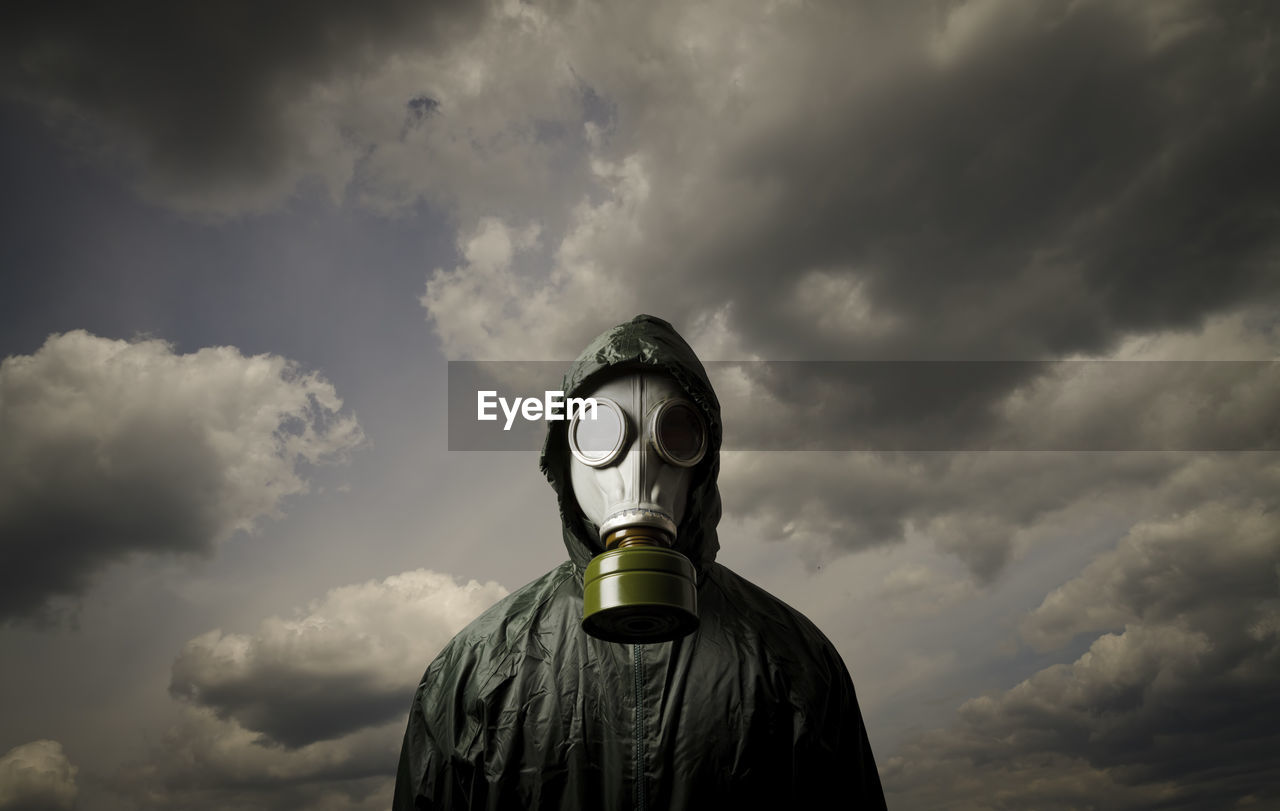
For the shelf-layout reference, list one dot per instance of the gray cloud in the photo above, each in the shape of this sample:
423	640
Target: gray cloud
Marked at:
236	111
915	590
37	776
308	711
979	181
1080	405
203	762
987	507
1003	180
1174	704
1046	187
217	107
117	447
982	507
346	663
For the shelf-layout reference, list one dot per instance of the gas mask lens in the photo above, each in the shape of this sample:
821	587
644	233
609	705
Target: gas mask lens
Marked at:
676	432
598	442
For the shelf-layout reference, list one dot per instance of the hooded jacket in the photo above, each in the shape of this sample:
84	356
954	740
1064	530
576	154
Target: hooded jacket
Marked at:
524	710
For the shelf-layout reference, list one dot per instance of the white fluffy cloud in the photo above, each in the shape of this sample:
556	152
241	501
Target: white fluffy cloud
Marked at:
349	661
494	306
114	447
307	711
37	776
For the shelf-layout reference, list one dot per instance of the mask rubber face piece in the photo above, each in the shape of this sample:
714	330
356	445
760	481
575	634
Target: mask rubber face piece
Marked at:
631	470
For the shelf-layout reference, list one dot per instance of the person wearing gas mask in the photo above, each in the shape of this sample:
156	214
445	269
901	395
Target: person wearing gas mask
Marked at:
640	673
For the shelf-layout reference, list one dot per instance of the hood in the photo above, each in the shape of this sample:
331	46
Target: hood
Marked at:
650	344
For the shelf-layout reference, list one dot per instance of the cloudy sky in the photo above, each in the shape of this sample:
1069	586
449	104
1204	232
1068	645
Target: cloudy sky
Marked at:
241	243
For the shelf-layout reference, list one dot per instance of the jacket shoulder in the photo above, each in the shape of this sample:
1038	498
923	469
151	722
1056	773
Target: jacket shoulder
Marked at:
777	622
803	666
442	759
502	629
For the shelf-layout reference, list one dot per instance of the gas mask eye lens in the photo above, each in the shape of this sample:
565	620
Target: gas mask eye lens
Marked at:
678	434
597	442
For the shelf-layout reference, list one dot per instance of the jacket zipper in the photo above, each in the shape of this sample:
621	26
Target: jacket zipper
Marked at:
637	658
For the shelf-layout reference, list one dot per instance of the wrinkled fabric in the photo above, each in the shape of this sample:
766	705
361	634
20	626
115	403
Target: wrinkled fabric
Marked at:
523	710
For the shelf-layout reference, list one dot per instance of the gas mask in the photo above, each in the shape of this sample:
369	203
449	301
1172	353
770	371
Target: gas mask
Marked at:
631	471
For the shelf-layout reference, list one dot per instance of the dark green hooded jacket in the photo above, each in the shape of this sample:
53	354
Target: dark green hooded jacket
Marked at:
524	710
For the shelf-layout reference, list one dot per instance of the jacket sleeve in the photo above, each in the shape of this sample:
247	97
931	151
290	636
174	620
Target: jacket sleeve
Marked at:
421	763
433	773
832	757
853	761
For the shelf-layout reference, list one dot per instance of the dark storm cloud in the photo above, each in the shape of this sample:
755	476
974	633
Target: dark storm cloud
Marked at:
296	711
1030	179
1053	184
112	448
1175	703
204	763
202	98
346	665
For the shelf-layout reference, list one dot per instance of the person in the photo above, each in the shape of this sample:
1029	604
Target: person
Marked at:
745	704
